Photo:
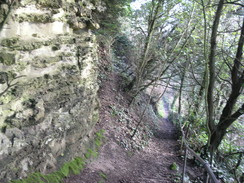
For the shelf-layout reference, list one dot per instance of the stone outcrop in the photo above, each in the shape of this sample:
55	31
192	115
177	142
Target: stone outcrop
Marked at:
48	83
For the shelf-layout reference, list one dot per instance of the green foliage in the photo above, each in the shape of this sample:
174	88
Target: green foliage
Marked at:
65	169
174	166
99	138
182	37
118	7
72	167
7	58
114	111
35	177
161	109
122	45
100	135
55	177
98	142
49	4
90	153
103	175
115	9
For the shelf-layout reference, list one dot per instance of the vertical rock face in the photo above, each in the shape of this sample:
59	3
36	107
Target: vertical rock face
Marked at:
48	84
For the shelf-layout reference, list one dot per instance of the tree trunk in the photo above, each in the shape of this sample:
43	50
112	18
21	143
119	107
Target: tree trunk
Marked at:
211	67
218	135
181	86
200	94
228	117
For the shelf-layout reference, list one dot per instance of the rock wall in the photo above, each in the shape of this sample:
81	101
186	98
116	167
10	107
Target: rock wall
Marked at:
48	83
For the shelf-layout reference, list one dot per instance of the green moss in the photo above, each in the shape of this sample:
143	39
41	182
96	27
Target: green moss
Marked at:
56	47
3	128
174	166
44	62
99	138
28	46
10	42
15	44
7	58
98	142
103	175
161	110
100	134
55	177
50	4
38	83
95	117
90	154
35	18
72	167
7	98
20	66
35	177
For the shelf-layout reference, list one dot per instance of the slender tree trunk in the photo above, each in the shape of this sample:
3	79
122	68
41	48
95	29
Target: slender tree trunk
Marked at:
181	86
174	101
200	94
211	68
180	93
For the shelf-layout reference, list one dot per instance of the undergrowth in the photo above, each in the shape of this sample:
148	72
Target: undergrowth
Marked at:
74	166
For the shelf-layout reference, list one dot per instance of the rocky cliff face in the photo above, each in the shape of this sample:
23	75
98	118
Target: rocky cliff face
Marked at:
48	83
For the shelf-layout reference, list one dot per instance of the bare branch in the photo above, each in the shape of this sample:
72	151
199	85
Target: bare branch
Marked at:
140	28
234	3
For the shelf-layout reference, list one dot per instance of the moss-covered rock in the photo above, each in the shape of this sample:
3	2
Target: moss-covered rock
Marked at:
35	18
7	58
50	4
48	86
10	42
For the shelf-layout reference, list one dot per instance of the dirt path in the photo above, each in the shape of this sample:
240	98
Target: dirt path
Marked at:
150	165
118	165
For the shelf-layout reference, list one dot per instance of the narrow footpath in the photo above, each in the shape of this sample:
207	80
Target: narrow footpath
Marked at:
117	164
